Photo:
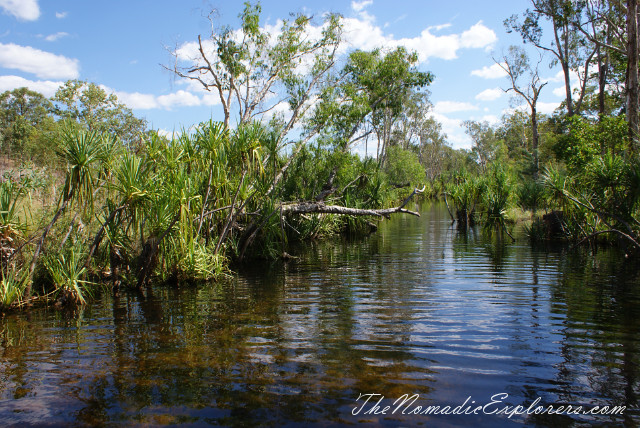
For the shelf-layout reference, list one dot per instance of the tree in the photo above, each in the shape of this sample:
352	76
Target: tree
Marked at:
569	47
632	73
374	91
25	118
517	66
487	147
98	111
247	66
387	82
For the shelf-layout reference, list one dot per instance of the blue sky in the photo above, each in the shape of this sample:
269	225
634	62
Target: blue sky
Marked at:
122	44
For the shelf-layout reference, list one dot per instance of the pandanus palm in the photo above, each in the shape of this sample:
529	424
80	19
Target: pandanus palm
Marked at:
245	155
81	151
131	185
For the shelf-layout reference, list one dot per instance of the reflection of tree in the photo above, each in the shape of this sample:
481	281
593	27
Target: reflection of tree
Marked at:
297	343
600	350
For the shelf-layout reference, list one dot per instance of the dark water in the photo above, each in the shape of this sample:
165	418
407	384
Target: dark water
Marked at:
415	309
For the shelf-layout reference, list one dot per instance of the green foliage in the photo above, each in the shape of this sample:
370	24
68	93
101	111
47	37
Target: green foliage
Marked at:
67	274
487	147
90	106
403	167
10	224
530	194
495	197
465	192
12	287
81	151
26	125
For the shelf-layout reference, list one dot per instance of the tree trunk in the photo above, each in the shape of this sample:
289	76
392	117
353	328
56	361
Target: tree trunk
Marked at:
632	72
534	132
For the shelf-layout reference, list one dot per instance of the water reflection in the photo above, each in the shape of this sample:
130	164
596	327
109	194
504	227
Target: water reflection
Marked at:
416	308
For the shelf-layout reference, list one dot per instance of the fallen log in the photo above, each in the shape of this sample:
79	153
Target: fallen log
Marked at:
321	208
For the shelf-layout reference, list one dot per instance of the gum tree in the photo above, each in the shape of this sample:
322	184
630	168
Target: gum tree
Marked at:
526	83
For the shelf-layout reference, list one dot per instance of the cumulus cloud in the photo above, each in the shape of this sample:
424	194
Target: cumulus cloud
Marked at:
490	94
44	65
47	88
56	36
453	107
61	15
180	98
478	36
364	34
492	72
361	32
25	10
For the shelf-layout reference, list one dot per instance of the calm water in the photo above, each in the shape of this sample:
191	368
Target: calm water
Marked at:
416	308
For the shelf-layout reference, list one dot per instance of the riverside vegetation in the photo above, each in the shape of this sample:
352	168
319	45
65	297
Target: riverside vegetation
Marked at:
91	198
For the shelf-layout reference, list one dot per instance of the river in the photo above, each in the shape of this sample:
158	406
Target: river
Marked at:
461	325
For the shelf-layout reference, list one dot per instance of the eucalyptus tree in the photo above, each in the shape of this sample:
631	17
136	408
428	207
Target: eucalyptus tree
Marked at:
98	111
25	119
375	89
527	84
569	47
253	71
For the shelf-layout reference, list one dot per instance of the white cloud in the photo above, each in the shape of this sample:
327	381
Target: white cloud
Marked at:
559	92
181	98
492	72
61	15
541	108
47	88
136	100
56	36
546	108
26	10
452	107
359	6
491	118
478	36
490	94
439	27
43	64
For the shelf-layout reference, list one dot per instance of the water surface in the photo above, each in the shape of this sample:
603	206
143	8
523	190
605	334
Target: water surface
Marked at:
417	308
